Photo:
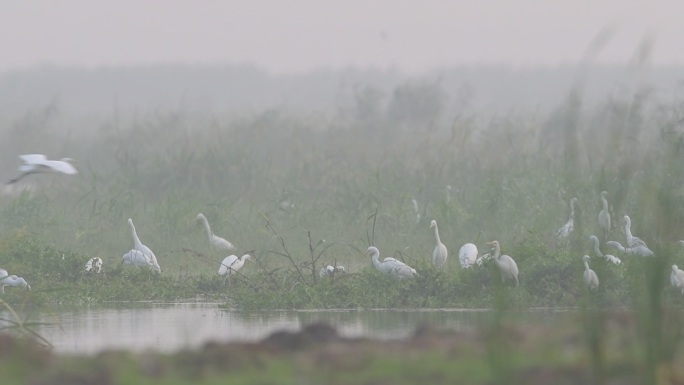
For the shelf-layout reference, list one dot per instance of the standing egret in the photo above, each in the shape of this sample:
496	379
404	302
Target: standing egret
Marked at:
138	258
677	278
232	263
330	270
597	251
439	254
145	250
94	264
632	241
38	163
11	280
216	241
467	255
590	277
416	209
604	216
507	266
565	231
390	265
448	194
641	250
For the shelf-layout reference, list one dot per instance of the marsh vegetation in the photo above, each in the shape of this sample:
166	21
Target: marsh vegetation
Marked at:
299	191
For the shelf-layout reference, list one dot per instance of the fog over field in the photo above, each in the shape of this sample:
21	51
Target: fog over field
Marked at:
275	121
243	89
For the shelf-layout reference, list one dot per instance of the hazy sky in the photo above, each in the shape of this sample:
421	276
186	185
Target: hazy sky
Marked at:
298	35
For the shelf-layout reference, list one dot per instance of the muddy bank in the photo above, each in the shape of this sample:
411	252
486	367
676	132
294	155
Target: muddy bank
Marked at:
568	353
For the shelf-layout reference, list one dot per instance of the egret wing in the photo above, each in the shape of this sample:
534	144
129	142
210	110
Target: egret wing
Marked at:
33	158
61	166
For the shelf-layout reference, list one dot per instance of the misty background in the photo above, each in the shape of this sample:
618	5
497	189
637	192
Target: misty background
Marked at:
234	108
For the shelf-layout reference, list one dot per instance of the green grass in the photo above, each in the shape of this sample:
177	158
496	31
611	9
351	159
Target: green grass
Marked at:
511	180
351	182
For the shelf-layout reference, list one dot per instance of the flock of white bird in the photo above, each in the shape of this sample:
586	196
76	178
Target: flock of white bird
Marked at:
469	256
140	255
635	246
143	256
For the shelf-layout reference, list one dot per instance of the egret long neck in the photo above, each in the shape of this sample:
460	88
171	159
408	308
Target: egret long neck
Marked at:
374	258
586	265
437	235
572	209
628	230
597	250
206	226
604	201
136	240
497	251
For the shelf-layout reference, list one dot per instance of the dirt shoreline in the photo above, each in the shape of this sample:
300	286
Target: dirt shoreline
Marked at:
495	354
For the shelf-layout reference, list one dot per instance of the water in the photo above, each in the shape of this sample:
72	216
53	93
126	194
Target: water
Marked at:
170	327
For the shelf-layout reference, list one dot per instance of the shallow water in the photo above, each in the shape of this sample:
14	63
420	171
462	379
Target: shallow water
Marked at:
170	327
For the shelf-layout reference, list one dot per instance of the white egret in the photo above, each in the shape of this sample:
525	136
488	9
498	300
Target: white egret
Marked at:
232	263
330	270
467	256
11	280
565	231
597	250
507	266
145	250
677	278
94	264
138	258
641	250
448	194
391	266
632	241
604	216
38	163
214	240
439	254
416	209
590	277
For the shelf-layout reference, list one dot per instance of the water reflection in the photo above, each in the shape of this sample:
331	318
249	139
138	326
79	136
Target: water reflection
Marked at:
169	327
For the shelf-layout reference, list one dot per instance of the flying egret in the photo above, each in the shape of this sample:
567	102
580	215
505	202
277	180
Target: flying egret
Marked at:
330	270
216	241
632	241
38	163
590	277
11	280
439	254
677	278
640	250
565	231
611	258
507	266
138	258
391	266
94	264
145	250
232	263
467	256
604	216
